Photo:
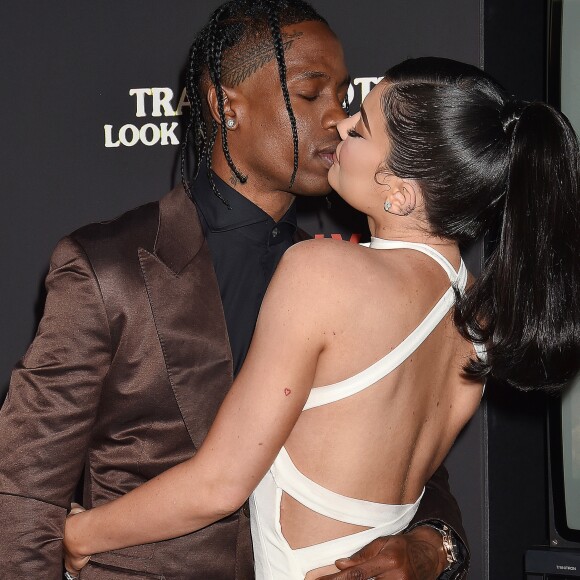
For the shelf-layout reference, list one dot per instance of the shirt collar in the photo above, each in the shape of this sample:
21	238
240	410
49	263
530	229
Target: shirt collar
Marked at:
219	218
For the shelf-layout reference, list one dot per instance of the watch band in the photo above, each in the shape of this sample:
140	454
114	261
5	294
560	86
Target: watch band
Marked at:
449	545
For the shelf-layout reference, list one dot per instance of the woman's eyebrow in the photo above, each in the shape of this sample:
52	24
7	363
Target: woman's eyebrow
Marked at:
365	119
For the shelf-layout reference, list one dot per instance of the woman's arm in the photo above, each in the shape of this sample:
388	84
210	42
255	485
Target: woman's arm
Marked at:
252	425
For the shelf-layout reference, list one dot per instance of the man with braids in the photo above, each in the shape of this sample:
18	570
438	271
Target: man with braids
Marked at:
149	317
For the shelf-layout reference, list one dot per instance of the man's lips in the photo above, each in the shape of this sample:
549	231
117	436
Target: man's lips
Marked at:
328	155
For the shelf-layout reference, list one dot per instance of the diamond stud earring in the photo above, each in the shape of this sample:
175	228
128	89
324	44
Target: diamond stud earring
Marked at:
230	123
388	205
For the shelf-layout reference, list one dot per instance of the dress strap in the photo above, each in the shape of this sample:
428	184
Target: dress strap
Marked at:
381	519
331	504
382	244
330	393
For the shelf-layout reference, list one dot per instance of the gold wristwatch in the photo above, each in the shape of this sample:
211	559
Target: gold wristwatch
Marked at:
449	545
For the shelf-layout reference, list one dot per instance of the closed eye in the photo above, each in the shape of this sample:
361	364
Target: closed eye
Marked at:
353	133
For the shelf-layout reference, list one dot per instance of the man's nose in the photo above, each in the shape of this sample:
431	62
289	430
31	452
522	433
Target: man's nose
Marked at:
334	116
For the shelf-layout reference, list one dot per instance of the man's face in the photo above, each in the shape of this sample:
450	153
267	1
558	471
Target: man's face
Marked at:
262	145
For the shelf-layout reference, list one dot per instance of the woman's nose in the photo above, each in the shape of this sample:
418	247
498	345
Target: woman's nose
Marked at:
346	124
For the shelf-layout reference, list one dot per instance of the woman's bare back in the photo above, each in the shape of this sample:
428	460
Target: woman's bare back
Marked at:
385	442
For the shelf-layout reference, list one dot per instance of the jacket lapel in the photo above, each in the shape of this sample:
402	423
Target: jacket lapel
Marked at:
185	301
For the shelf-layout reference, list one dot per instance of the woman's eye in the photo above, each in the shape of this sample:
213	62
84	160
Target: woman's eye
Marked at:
353	133
309	97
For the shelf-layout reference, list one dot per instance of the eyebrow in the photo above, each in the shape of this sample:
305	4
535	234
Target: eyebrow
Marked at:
365	119
313	74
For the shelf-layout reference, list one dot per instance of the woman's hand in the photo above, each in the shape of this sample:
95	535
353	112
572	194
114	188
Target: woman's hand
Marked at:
73	562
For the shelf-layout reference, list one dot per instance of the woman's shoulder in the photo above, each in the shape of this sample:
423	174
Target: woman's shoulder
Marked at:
315	259
322	252
334	266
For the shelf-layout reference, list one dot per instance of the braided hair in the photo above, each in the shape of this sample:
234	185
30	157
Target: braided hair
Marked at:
239	25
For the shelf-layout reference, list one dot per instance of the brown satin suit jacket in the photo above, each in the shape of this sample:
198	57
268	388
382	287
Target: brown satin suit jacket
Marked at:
128	368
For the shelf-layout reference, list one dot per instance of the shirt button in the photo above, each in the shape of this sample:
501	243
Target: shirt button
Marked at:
275	232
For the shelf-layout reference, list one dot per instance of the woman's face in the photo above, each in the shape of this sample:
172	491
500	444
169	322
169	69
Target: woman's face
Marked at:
364	148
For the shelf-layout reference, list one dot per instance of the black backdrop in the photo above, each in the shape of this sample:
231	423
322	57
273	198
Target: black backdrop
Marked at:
66	72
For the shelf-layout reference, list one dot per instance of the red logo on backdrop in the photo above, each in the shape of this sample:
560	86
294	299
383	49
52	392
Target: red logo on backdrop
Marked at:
354	238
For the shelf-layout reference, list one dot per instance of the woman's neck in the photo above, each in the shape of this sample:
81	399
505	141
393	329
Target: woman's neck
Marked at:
400	229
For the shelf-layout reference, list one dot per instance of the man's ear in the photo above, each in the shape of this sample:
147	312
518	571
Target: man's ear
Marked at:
230	99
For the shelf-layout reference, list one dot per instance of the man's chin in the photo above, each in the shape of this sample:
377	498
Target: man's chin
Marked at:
312	188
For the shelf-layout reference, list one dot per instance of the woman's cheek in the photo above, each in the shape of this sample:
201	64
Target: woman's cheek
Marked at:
347	153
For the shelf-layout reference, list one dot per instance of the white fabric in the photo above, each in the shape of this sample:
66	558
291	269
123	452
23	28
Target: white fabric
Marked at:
274	558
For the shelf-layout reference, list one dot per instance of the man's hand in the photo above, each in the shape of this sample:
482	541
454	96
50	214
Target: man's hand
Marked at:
417	555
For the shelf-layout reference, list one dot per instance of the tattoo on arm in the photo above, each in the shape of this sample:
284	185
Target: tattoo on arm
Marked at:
238	67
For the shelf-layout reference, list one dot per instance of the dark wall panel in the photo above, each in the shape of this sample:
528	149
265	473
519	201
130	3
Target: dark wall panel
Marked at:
517	470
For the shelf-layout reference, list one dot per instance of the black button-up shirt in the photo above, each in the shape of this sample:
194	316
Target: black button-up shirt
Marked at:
246	245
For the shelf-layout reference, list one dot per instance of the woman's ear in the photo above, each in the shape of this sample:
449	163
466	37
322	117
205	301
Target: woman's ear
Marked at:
402	198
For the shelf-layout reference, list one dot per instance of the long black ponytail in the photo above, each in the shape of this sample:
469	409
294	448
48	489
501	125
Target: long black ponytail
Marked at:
487	162
527	300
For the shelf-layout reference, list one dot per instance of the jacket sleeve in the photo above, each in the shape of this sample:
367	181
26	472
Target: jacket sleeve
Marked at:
48	415
438	504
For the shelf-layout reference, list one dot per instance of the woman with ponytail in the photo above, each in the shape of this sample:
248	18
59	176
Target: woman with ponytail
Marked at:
367	361
486	162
